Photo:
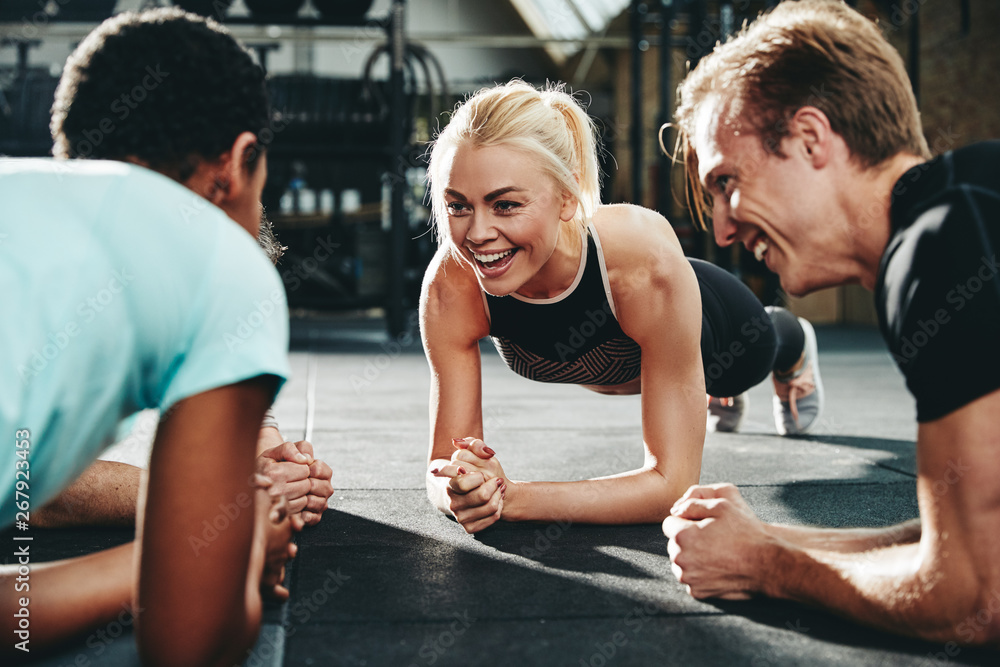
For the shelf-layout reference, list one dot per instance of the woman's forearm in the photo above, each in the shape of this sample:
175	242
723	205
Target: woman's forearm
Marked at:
638	496
69	598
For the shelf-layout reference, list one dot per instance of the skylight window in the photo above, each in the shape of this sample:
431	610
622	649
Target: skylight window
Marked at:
568	19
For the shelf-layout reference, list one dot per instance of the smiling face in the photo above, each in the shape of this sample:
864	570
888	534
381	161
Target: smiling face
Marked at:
771	204
507	220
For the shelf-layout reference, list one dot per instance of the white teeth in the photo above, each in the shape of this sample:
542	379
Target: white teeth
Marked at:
486	259
760	247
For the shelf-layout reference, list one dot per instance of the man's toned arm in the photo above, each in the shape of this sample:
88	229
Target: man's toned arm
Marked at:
849	540
944	588
104	495
939	588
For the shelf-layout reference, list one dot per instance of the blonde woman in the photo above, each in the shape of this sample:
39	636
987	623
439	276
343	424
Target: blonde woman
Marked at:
572	291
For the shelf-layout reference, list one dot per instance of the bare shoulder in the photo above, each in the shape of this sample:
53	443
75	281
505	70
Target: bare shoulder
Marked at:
631	234
641	250
451	301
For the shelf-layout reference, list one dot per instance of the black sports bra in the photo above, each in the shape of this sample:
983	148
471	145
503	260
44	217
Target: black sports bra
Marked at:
572	338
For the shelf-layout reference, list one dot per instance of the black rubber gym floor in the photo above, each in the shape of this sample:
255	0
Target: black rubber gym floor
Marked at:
384	579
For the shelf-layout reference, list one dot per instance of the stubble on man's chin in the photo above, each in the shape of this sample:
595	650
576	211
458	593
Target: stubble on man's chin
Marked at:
267	240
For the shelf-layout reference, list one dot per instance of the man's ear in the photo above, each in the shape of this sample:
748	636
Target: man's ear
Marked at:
812	127
233	177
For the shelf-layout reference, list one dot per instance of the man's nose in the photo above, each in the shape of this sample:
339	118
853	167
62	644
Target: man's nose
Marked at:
722	225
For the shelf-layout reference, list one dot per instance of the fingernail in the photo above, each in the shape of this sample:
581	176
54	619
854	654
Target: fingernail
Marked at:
489	451
499	482
457	440
462	471
434	471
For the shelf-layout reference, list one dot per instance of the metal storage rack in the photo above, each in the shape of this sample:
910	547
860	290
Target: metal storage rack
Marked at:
389	153
384	141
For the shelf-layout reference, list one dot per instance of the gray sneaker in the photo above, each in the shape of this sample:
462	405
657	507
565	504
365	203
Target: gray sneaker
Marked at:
726	414
798	396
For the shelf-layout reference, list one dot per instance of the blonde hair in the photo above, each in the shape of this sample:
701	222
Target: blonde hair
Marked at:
549	125
818	53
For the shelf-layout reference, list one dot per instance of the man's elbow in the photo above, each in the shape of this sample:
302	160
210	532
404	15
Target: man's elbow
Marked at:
980	625
956	617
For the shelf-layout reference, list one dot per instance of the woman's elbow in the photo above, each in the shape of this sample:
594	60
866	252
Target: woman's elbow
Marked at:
193	642
670	487
675	482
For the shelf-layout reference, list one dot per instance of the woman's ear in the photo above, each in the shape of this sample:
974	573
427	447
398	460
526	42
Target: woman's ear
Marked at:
569	206
225	178
234	177
570	202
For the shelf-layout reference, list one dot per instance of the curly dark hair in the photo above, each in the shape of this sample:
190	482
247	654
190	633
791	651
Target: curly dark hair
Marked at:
163	87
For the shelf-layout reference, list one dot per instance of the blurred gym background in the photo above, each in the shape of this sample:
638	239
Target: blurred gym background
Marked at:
360	86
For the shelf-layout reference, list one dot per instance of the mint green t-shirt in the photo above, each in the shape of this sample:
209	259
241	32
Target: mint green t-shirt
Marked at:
121	290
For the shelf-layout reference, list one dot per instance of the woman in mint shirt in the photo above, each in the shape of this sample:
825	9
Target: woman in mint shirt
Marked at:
125	288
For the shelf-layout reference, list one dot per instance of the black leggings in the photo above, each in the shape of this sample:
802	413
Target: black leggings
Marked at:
741	341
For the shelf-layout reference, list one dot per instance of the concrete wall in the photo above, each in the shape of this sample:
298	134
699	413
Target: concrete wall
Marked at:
959	73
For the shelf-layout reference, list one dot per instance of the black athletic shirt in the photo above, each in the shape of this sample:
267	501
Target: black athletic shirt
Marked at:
571	338
938	289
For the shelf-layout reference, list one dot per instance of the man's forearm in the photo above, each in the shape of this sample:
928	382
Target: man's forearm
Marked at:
269	437
104	495
852	540
884	588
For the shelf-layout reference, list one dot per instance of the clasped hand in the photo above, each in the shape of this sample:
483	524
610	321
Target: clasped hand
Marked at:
477	485
273	545
296	474
718	546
